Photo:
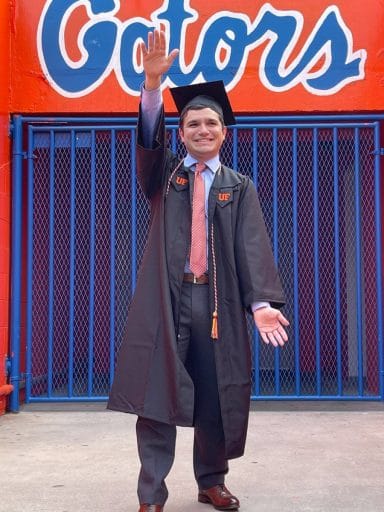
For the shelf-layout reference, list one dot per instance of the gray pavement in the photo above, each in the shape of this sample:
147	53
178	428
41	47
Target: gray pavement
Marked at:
300	457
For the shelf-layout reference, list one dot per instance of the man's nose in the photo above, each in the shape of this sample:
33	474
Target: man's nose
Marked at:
203	128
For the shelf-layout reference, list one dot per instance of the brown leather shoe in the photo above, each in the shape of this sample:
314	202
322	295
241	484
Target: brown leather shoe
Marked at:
145	507
219	497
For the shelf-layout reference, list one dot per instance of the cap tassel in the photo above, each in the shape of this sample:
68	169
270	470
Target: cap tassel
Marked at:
214	331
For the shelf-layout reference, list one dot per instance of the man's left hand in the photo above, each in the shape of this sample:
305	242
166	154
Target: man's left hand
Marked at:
270	323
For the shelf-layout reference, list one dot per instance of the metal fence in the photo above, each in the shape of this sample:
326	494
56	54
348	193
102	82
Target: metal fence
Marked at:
79	232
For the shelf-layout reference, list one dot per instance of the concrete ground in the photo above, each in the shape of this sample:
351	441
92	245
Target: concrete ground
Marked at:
300	457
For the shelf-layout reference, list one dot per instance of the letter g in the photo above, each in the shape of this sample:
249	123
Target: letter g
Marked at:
96	43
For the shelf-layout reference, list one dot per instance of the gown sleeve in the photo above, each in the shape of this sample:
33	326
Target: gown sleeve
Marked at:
152	161
258	276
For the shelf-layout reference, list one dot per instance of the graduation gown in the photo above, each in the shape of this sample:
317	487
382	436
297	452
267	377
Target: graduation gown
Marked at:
150	379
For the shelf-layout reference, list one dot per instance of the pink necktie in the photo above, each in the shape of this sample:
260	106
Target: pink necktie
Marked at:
198	258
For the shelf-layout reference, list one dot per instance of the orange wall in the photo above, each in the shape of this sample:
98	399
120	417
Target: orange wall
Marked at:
32	92
5	187
38	88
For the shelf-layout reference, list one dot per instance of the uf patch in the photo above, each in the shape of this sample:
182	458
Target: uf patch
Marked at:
180	182
224	197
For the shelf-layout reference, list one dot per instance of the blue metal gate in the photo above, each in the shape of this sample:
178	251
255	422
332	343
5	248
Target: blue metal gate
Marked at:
79	230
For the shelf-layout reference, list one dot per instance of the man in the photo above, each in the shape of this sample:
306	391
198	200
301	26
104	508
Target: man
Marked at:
186	359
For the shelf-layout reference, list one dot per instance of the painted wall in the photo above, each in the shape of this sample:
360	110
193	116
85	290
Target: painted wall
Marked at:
81	55
5	179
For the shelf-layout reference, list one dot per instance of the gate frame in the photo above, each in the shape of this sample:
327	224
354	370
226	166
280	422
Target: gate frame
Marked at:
18	155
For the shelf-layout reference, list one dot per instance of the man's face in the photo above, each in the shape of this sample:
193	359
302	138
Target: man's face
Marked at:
202	133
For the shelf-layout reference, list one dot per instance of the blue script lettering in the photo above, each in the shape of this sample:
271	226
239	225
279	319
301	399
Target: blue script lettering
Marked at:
324	65
96	43
330	41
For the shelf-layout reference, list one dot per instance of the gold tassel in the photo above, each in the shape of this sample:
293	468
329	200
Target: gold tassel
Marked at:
214	331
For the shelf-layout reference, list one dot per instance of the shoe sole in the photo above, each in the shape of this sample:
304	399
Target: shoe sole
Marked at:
204	499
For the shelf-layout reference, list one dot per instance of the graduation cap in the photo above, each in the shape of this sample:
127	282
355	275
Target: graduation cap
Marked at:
206	95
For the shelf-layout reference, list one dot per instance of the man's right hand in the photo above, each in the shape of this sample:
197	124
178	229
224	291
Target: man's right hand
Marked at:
155	59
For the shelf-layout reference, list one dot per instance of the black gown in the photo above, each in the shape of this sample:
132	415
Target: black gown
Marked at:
150	379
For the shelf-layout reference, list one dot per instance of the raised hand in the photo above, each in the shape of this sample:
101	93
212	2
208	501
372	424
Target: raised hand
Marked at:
156	61
270	323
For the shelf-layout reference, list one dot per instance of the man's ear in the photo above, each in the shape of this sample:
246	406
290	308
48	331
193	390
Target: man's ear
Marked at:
181	134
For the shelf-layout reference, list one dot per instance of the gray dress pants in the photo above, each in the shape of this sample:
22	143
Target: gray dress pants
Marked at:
155	440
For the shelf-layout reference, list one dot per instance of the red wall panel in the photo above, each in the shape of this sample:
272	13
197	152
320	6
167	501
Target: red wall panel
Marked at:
5	189
269	57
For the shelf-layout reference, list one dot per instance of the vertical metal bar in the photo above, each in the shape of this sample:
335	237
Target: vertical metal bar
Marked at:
379	291
16	268
235	159
29	276
72	265
112	257
358	242
256	338
337	261
276	240
133	213
255	160
316	256
92	237
51	260
296	262
174	140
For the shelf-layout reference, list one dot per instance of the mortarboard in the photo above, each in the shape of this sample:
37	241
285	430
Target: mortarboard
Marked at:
208	94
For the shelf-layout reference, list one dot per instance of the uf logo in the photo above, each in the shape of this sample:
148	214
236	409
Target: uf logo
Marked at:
323	66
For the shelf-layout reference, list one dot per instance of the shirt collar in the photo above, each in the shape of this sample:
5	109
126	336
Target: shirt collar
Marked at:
213	164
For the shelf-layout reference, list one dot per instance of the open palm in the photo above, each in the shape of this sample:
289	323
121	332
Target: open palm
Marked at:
155	59
270	323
